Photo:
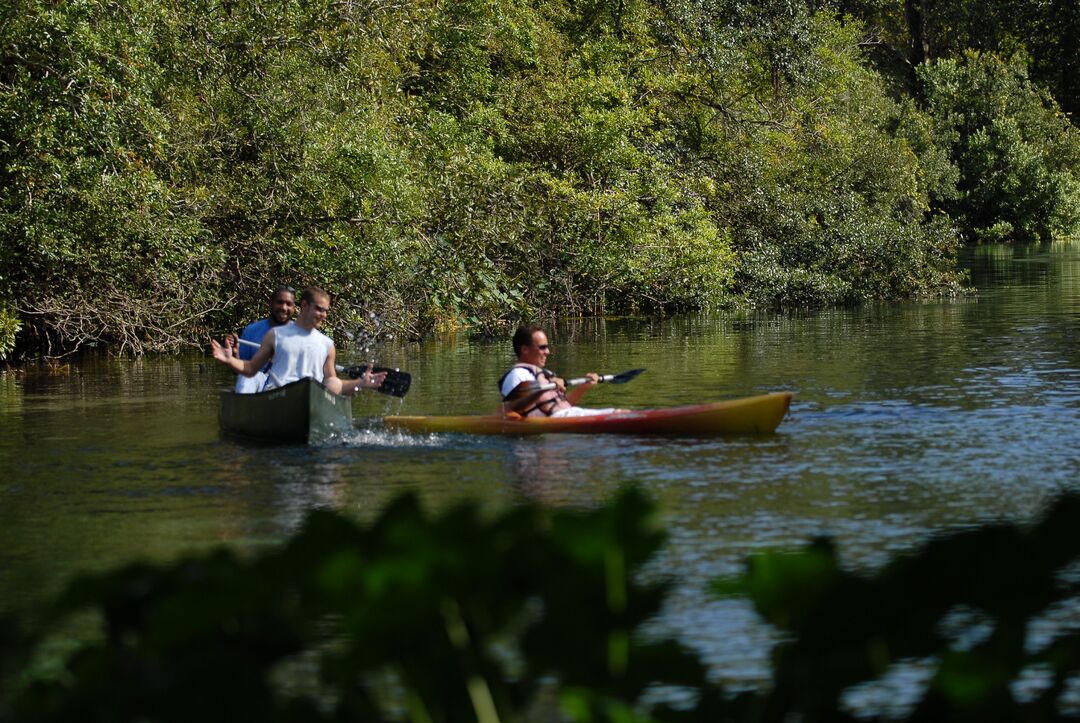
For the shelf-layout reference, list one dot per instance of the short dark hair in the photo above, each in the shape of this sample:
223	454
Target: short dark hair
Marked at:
311	292
283	288
523	336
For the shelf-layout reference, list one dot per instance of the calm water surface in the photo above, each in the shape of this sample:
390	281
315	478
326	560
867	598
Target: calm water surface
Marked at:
909	419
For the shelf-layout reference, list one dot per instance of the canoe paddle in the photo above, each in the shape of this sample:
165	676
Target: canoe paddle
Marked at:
396	383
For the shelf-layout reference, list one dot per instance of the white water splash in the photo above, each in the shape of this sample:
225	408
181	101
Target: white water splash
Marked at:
380	437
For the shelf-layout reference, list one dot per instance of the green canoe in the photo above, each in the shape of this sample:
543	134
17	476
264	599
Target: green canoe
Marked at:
299	412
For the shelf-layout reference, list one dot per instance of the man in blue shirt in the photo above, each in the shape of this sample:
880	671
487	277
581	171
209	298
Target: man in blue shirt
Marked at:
282	306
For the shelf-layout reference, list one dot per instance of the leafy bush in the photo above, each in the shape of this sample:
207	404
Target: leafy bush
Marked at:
93	240
909	33
457	617
410	614
964	607
825	201
9	327
446	165
1017	155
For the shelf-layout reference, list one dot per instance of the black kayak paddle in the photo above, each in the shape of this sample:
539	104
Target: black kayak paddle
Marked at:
620	378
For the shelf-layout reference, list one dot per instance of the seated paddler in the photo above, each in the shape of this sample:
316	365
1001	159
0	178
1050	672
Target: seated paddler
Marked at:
530	390
298	350
282	306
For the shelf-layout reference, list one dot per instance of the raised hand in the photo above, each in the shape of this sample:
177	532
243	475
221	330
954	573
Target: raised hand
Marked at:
372	380
221	352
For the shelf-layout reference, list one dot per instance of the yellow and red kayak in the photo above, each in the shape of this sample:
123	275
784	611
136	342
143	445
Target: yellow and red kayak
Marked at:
749	415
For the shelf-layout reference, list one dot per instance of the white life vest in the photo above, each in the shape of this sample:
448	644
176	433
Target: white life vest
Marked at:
549	402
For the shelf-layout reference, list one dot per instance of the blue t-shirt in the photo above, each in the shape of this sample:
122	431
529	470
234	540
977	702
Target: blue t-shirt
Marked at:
253	332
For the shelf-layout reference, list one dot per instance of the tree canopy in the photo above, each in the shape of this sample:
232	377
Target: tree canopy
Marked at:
468	164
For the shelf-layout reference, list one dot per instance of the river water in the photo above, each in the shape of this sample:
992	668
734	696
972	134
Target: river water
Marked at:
909	419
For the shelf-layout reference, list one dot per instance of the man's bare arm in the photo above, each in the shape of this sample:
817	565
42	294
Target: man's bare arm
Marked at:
348	387
579	391
226	354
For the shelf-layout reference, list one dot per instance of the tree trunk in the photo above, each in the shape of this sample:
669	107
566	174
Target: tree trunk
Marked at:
915	12
1068	18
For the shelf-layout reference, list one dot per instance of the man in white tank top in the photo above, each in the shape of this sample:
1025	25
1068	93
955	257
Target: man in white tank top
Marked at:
298	350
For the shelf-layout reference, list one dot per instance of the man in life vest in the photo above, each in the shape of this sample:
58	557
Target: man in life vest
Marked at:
530	390
299	350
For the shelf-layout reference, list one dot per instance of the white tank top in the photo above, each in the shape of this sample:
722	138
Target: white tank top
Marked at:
298	353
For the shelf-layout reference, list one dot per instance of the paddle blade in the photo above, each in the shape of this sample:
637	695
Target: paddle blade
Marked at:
396	383
624	377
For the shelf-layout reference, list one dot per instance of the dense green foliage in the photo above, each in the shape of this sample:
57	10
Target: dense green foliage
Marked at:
1017	158
992	78
910	32
824	201
473	163
540	615
983	612
9	327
